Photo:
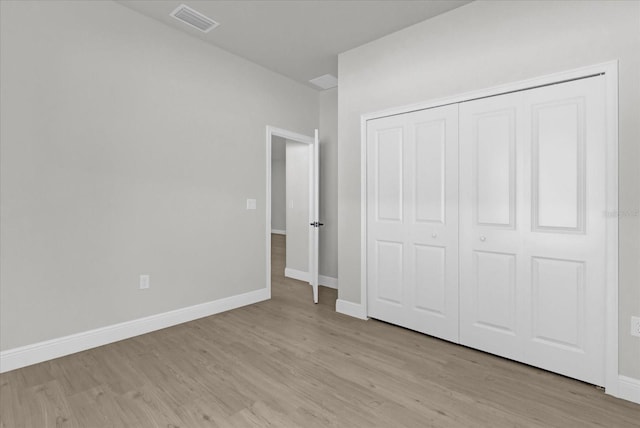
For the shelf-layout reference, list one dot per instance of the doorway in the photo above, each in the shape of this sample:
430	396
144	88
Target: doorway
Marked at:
292	197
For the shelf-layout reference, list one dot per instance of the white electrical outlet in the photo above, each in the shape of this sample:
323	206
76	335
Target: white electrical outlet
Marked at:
635	326
144	282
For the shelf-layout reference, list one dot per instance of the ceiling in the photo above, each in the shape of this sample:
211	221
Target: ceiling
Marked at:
299	39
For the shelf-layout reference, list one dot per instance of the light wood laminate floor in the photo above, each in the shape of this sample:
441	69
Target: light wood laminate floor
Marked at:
289	363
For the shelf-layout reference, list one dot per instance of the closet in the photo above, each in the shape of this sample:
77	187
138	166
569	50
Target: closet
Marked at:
486	224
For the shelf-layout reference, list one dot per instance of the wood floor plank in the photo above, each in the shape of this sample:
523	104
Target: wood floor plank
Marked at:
289	363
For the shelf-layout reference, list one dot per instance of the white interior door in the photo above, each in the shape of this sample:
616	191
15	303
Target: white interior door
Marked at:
532	227
314	214
412	220
491	224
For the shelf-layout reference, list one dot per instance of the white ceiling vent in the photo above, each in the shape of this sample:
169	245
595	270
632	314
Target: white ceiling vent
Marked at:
193	18
326	81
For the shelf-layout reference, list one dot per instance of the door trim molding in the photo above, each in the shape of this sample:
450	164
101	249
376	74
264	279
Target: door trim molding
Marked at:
610	72
272	131
325	281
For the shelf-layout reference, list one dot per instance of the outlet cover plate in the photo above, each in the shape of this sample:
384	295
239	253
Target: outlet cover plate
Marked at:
144	282
635	326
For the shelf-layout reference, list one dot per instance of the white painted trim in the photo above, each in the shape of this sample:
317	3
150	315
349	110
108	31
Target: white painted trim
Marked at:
296	274
267	204
611	266
43	351
289	135
278	231
628	389
610	71
328	281
363	217
352	309
325	281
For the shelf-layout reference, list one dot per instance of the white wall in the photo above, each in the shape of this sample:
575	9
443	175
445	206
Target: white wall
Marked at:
328	263
278	184
127	147
477	46
297	167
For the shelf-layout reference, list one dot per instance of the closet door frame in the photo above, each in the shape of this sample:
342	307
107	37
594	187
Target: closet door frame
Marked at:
610	72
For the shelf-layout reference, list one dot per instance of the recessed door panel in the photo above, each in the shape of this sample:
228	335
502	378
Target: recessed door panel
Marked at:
430	278
389	183
495	167
430	165
495	283
558	302
389	271
558	166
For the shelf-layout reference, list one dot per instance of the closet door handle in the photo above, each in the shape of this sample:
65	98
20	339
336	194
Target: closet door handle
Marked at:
483	238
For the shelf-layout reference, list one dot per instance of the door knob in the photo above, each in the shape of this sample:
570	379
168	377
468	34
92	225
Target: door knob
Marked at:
483	238
434	235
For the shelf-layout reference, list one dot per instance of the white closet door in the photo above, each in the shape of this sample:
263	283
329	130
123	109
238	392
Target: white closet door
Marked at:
412	221
532	227
565	242
491	209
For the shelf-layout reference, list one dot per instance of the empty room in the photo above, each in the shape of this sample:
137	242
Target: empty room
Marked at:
311	213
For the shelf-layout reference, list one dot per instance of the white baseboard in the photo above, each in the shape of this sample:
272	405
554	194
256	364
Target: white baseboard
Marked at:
23	356
628	389
279	232
325	281
328	281
355	310
296	274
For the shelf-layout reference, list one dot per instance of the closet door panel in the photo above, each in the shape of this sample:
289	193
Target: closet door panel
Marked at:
490	224
412	221
532	229
564	245
386	221
432	225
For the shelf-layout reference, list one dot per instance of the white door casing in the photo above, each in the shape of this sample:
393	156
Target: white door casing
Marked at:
413	220
314	216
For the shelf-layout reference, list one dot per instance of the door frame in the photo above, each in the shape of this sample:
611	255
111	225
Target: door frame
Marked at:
272	131
610	72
